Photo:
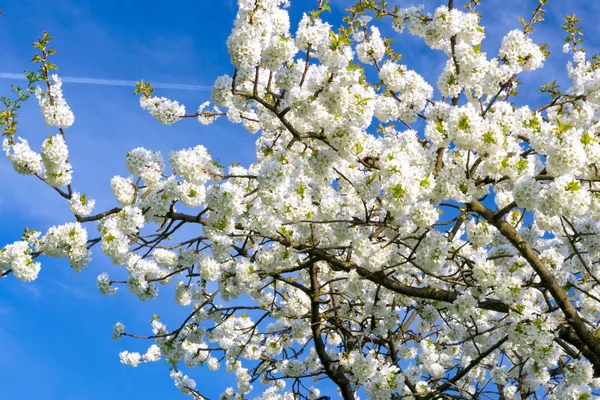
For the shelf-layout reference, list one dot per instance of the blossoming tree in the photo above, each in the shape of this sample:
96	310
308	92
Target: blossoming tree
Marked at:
396	239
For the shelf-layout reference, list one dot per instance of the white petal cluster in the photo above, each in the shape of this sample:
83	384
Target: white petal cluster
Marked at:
221	92
183	295
105	285
585	78
116	230
480	234
395	251
207	117
132	359
165	258
118	329
261	32
55	157
153	354
80	205
413	94
372	49
17	256
520	53
146	164
564	196
68	240
379	378
183	382
54	107
194	165
143	275
438	28
166	111
312	33
124	190
24	160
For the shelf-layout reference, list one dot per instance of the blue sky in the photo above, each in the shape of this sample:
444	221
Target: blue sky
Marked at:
54	334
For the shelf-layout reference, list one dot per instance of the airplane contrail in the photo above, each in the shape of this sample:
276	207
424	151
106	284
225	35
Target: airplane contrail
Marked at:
113	82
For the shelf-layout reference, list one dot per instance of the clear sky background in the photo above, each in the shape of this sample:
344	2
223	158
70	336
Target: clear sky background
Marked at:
54	332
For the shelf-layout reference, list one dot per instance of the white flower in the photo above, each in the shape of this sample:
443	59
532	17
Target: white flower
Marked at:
381	221
54	107
565	196
194	165
520	53
17	257
24	160
105	285
183	382
55	154
119	329
130	358
183	295
207	117
213	363
164	110
146	164
166	258
371	50
80	205
153	354
68	240
124	190
364	19
314	393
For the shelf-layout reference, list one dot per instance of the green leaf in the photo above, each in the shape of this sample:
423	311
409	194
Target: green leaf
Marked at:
489	138
398	191
439	126
520	308
587	139
363	101
573	186
533	123
371	179
463	123
144	88
522	164
562	127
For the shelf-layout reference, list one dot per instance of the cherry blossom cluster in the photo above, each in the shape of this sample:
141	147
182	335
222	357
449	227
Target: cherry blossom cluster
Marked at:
164	110
57	169
399	239
24	160
54	107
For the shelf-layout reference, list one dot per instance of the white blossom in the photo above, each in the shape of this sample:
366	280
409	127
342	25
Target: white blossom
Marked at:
80	205
164	110
54	107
